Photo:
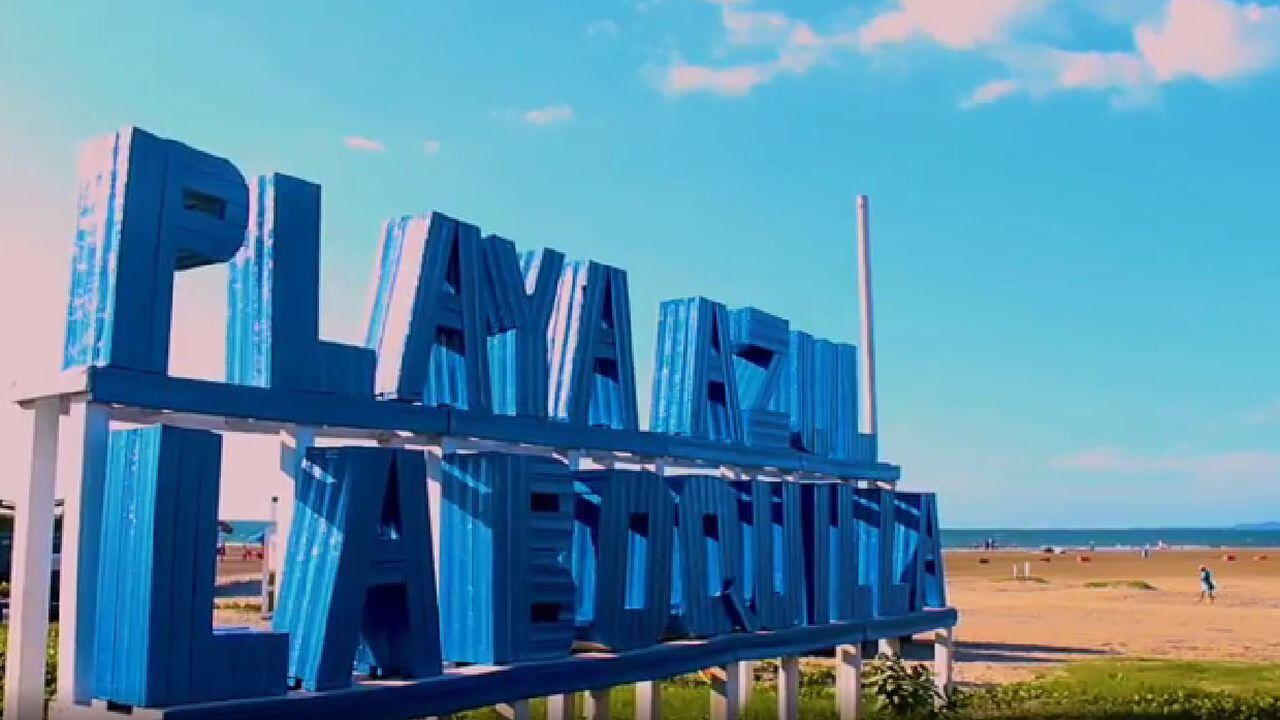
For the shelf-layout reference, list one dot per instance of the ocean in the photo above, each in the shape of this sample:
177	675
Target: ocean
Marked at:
1036	538
1120	538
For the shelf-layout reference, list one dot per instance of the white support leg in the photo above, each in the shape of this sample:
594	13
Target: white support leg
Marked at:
598	704
82	471
891	647
649	700
32	563
562	707
944	653
747	670
789	688
726	684
517	710
849	681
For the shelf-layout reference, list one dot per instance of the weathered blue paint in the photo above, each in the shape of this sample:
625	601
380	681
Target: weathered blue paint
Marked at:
426	321
707	579
521	296
146	208
773	552
593	375
694	388
918	551
361	578
273	299
761	343
622	557
154	642
471	339
837	591
506	590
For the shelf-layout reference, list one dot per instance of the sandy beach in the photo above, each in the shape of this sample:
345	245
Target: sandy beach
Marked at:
1011	629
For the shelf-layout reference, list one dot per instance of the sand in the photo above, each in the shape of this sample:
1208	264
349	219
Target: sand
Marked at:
1009	630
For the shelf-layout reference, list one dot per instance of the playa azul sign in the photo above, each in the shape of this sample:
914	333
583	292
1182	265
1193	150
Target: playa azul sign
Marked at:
505	509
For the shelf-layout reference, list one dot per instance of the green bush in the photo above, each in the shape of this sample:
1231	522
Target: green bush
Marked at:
901	689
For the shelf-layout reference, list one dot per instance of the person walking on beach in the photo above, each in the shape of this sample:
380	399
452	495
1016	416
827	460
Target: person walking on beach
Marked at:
1206	584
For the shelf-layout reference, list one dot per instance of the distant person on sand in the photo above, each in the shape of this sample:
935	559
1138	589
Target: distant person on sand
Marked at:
1206	585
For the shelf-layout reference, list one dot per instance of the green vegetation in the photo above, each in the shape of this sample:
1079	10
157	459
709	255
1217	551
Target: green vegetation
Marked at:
1093	690
1120	585
51	657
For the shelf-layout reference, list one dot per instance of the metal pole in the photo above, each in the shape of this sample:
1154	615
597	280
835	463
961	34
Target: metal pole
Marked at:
868	313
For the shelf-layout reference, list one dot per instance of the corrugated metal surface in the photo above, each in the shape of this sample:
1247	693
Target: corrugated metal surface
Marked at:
773	550
273	298
506	589
593	379
124	254
693	389
819	394
153	636
837	589
521	297
707	582
622	557
100	195
760	345
360	576
426	319
874	510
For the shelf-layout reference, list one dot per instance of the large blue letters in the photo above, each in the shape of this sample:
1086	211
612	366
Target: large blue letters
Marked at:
154	642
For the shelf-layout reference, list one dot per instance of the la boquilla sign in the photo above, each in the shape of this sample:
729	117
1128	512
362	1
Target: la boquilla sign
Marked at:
477	517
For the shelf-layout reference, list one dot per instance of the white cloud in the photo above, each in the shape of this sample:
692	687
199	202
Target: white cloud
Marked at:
1224	465
604	28
549	115
990	92
733	81
431	147
1213	40
951	23
363	144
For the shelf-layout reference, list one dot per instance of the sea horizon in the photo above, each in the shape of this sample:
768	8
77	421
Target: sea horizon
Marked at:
1237	536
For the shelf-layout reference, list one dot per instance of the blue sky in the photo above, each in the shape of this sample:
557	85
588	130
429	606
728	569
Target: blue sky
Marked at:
1073	202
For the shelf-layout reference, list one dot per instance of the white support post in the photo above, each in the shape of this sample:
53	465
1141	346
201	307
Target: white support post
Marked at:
725	688
32	565
269	551
597	706
435	498
890	646
944	653
849	681
562	707
789	688
649	700
868	374
82	471
516	710
747	671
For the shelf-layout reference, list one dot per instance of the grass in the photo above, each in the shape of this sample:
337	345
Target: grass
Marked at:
1120	585
1090	690
1121	676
